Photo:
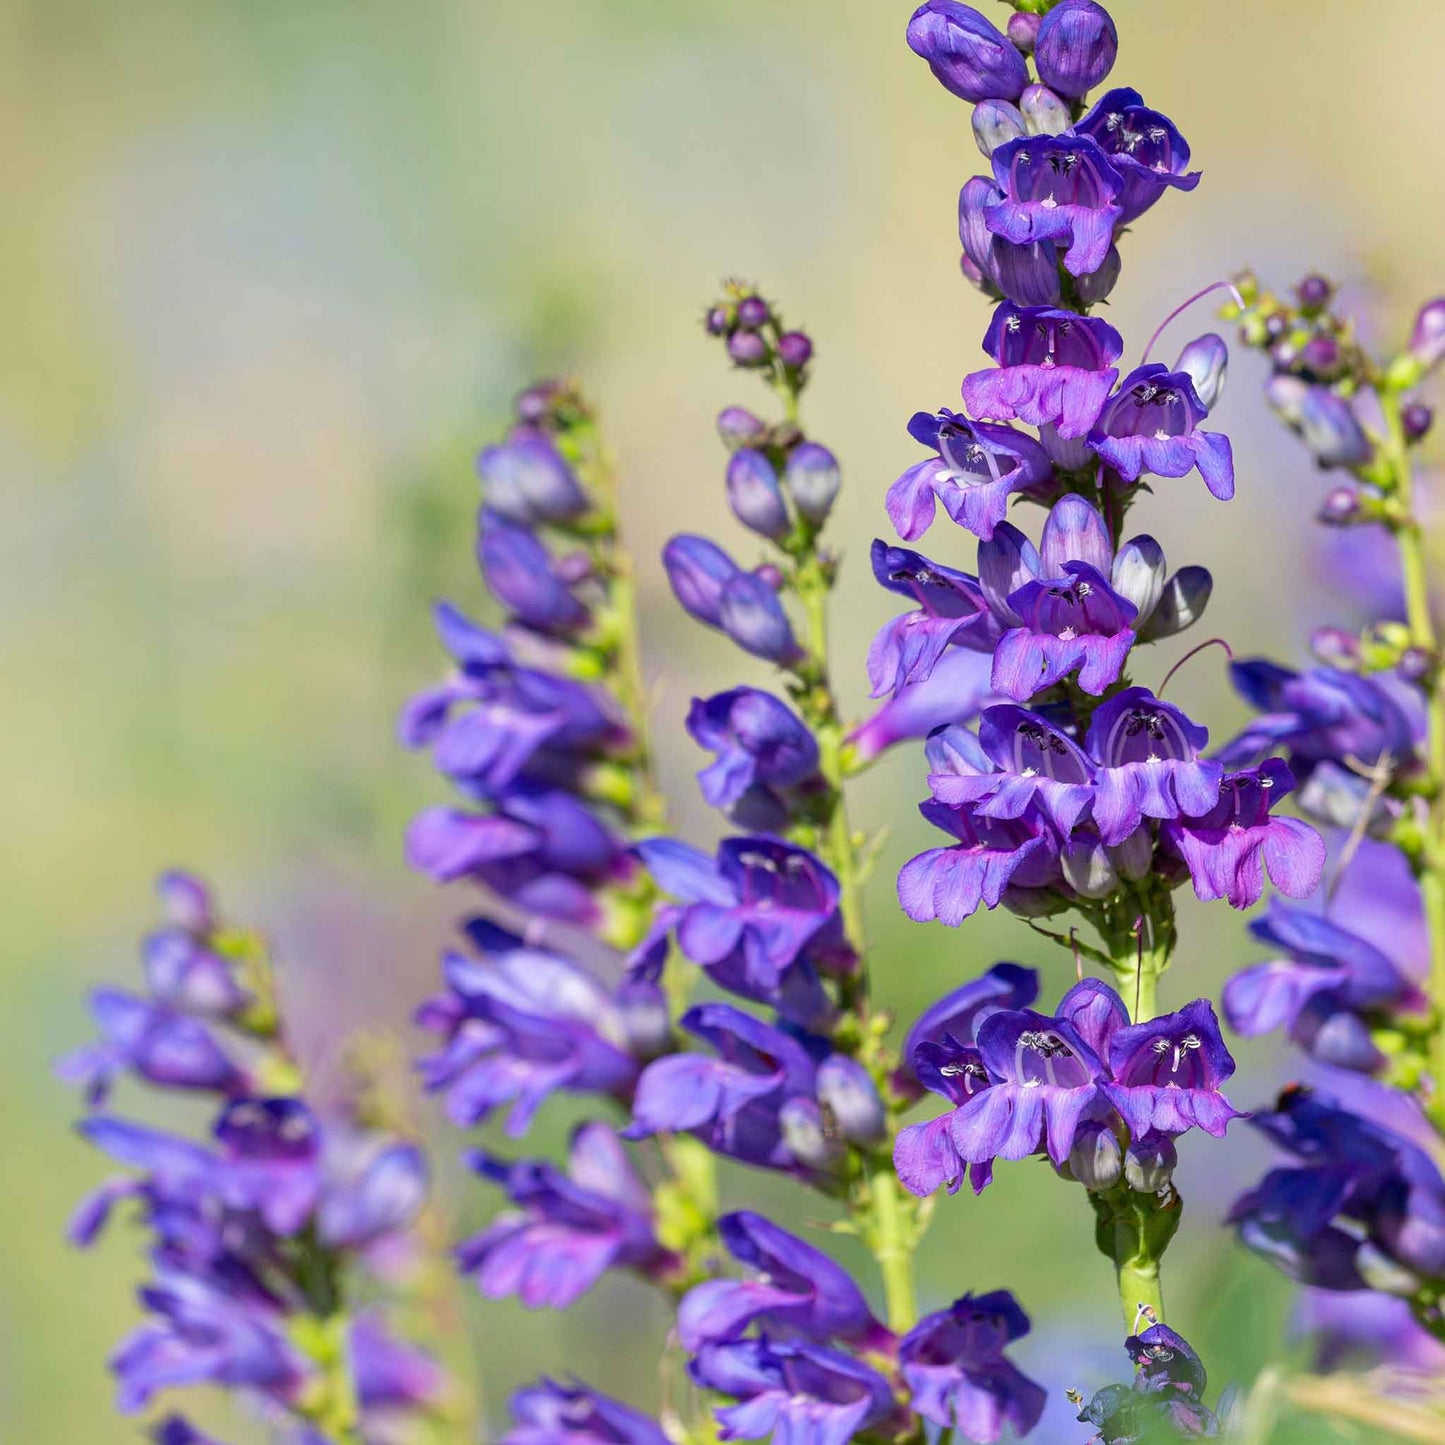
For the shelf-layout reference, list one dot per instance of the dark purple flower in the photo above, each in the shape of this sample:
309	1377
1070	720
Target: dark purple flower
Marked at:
527	482
1054	369
270	1161
1076	47
730	1099
1043	1077
1151	426
801	1292
1034	765
952	612
950	883
1147	151
954	1366
797	1393
1166	1073
518	1025
525	578
926	1156
967	54
1004	986
1027	274
953	693
975	469
1057	188
568	1229
761	744
1320	991
1165	1360
1228	849
551	1414
1149	764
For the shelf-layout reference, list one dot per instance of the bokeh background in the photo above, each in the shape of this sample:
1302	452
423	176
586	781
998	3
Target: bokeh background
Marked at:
271	274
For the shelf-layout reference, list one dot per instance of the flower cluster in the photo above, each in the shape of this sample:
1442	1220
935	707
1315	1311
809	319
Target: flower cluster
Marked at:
255	1234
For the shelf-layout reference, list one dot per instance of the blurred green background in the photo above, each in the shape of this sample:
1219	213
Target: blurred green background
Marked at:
271	275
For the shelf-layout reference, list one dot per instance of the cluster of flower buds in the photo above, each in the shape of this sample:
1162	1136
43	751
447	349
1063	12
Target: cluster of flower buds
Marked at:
255	1236
756	337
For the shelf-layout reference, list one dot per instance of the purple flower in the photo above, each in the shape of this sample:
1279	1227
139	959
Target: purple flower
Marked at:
1165	1361
969	56
1076	47
1057	188
760	921
1145	147
950	883
527	482
698	571
1054	369
954	1365
729	1100
1027	274
518	1025
1004	986
1043	1077
1035	765
926	1156
953	693
813	478
797	1393
754	494
568	1229
1149	764
1228	849
1321	991
952	612
270	1161
525	578
975	468
1151	426
551	1414
762	746
372	1188
801	1292
1166	1073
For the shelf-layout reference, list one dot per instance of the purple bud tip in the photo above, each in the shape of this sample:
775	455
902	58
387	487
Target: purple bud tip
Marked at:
1321	355
738	427
1044	111
535	404
747	348
1076	47
795	349
719	320
753	313
1314	293
1417	419
1427	339
1335	647
1341	507
1023	30
769	574
1416	664
968	54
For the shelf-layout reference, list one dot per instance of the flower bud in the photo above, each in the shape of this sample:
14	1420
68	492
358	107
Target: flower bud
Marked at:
753	313
536	403
1023	30
1416	664
1286	395
528	482
846	1090
750	613
719	321
770	575
1335	647
1076	47
996	122
1096	1160
645	1018
754	495
738	427
1134	857
1181	604
1330	430
186	901
1043	112
1427	339
805	1135
747	348
697	571
1149	1163
1340	508
795	349
1206	361
1088	869
1320	356
1072	454
1417	419
1314	293
813	480
1139	572
968	55
1096	286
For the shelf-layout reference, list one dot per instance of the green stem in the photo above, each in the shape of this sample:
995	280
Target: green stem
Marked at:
892	1247
1139	1285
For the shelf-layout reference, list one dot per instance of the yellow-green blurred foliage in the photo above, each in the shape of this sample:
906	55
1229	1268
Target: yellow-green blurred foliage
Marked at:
271	272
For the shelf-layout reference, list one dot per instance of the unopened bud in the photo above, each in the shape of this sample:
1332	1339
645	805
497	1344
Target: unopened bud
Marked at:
754	495
1134	857
747	348
813	480
1088	869
1206	362
1149	1163
753	313
1096	286
1417	419
795	349
1314	293
995	123
806	1136
1427	338
719	320
1043	111
1076	47
1341	507
1331	430
738	427
1335	647
1023	30
1095	1160
846	1090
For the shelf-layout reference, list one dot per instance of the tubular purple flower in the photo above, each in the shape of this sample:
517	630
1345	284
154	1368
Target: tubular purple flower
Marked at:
523	576
551	1414
750	613
1205	360
698	571
1145	147
1028	274
760	744
1076	47
968	55
953	693
1330	429
527	482
754	495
